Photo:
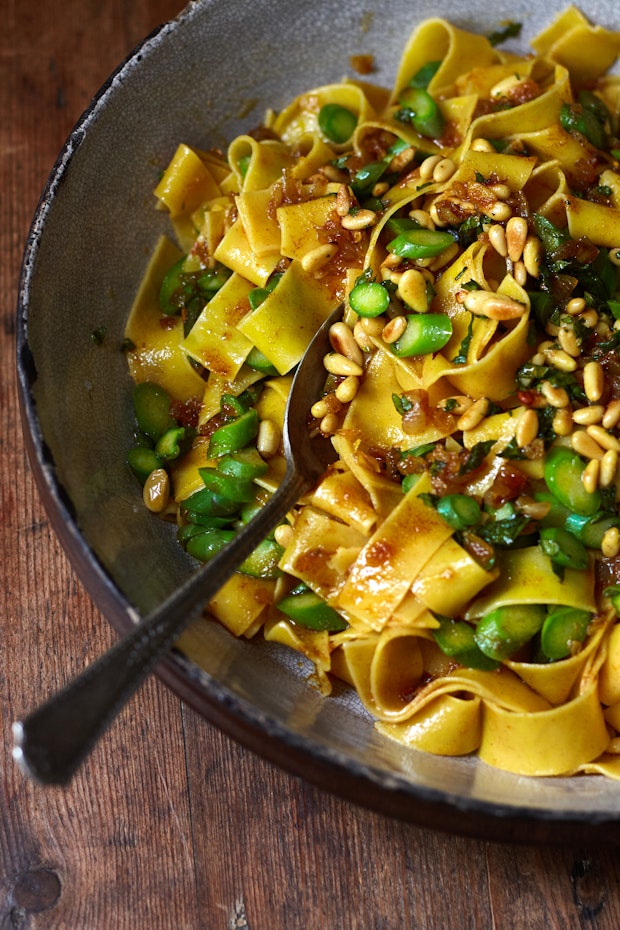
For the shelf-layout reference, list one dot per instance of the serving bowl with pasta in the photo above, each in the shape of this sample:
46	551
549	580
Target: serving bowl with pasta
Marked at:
433	630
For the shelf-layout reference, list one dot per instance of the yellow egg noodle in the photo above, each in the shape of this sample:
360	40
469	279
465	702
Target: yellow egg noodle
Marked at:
459	564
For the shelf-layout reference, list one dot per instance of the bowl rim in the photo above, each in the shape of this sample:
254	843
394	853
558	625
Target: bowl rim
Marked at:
329	769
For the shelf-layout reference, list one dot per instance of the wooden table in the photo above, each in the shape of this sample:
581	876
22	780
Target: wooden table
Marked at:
153	833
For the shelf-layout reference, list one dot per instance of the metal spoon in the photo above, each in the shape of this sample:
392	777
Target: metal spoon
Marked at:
52	741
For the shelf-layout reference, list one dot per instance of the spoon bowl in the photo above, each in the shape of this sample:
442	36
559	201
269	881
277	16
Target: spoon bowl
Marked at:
52	741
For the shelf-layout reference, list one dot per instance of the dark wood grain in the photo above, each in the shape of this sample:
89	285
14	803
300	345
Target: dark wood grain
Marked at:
170	824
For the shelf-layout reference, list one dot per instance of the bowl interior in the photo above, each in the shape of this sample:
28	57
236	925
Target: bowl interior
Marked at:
202	79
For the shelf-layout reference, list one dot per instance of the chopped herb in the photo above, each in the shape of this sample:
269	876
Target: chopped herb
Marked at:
511	30
461	357
477	455
98	335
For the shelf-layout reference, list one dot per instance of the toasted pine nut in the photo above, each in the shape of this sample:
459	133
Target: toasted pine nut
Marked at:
372	325
498	210
457	404
562	422
329	424
516	237
401	160
583	444
612	414
283	534
610	544
394	329
332	173
555	396
428	166
481	145
319	408
589	318
362	219
413	291
319	256
268	438
443	170
422	217
380	188
575	305
590	475
497	238
474	415
494	306
527	428
558	358
605	440
343	200
585	416
532	254
337	364
519	273
347	389
593	380
568	341
609	467
501	191
614	256
341	339
156	490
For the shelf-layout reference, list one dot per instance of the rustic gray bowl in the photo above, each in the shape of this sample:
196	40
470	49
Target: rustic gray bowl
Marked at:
88	247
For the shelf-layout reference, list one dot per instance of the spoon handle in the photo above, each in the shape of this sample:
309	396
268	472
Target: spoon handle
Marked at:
52	741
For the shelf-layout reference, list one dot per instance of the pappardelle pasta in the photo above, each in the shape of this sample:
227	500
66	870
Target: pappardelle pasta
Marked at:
459	564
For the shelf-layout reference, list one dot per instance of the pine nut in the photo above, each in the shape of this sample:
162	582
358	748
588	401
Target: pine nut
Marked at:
319	408
422	217
610	544
401	160
343	200
527	428
342	341
568	341
609	467
575	305
498	210
443	170
612	414
347	389
337	364
555	396
589	318
156	490
558	358
394	329
590	475
605	440
614	256
501	191
593	380
316	258
497	238
283	534
585	416
268	439
532	255
362	219
412	290
372	325
583	444
562	422
481	145
519	273
516	237
329	424
494	306
474	415
380	188
428	166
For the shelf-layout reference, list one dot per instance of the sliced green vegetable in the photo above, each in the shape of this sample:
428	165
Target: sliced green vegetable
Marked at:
590	530
425	74
455	638
143	461
563	548
337	122
263	562
203	546
369	298
425	333
563	627
365	179
259	362
207	503
307	609
563	469
503	631
419	242
419	107
152	407
576	118
246	464
170	443
459	510
234	435
235	489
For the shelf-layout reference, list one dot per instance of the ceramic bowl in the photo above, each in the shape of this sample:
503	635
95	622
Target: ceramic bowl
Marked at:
202	79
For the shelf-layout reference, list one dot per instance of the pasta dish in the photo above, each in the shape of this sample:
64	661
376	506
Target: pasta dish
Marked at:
459	563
